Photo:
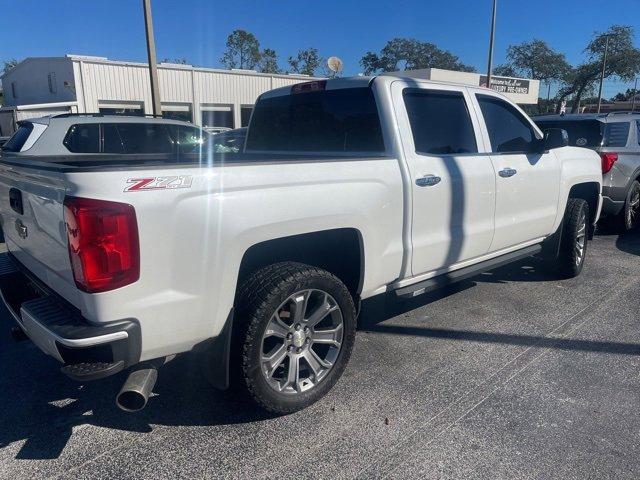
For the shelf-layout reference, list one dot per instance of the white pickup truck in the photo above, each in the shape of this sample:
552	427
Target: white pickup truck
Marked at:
347	189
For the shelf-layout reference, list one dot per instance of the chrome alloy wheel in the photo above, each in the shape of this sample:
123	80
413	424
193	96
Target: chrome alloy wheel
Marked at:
581	238
633	211
301	342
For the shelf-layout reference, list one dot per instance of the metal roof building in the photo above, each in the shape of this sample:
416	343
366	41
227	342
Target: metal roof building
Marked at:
209	97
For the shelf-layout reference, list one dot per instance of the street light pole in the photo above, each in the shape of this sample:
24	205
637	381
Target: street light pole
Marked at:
491	38
604	66
633	98
151	53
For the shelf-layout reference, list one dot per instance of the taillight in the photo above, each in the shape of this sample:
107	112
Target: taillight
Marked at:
103	243
315	86
608	159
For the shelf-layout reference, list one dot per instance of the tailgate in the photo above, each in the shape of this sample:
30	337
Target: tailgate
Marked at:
31	208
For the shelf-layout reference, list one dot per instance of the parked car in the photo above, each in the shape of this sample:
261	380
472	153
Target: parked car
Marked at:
97	134
231	141
616	137
347	189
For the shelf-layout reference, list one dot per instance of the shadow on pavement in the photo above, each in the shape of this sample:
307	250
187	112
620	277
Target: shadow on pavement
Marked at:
629	242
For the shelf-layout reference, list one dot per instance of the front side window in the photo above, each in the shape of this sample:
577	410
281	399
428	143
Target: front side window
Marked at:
440	122
83	138
336	121
509	131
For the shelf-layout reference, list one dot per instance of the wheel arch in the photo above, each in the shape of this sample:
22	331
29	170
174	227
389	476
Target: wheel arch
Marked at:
340	251
589	192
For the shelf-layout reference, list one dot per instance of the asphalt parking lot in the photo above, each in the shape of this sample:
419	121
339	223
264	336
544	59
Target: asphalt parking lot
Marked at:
512	375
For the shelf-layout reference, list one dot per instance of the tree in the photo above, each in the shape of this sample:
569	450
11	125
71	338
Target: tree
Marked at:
243	50
411	54
626	96
269	61
535	59
623	61
505	70
306	62
8	65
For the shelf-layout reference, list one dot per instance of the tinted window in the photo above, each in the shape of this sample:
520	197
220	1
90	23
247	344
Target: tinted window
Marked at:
187	138
344	120
217	118
508	130
19	138
582	133
145	138
638	130
616	134
440	122
83	138
111	141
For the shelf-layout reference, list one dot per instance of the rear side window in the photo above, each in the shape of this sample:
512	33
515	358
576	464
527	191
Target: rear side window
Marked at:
638	130
19	138
616	134
187	139
336	121
509	130
145	138
83	138
440	122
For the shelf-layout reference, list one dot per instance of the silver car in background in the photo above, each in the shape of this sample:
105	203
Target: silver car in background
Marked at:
616	137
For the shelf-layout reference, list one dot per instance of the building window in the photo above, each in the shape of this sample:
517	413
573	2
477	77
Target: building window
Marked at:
177	112
245	115
14	90
51	78
218	116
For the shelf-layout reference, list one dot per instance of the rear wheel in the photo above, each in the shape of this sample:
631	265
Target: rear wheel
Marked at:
573	245
631	212
297	328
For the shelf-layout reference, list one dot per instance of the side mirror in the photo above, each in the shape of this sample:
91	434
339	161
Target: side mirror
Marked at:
555	138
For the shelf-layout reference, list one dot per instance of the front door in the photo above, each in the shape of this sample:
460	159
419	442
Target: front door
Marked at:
452	185
527	183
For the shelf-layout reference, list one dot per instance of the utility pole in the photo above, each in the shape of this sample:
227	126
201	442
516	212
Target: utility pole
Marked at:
151	53
604	66
493	32
633	98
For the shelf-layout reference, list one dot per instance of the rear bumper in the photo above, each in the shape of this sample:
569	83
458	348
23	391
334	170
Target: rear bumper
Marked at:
88	351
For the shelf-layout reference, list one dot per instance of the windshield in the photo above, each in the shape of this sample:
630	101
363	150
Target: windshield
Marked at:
582	133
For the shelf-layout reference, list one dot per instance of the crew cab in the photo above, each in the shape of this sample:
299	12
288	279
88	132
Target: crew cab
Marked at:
257	261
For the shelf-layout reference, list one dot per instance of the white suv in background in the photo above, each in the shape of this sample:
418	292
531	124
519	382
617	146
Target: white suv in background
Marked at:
87	134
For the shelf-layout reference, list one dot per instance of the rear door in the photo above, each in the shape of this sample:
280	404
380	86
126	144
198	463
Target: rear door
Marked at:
452	184
527	183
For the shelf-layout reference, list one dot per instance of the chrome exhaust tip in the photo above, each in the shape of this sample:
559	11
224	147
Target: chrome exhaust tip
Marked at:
134	394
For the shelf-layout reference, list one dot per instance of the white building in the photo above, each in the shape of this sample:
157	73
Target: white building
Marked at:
210	97
523	91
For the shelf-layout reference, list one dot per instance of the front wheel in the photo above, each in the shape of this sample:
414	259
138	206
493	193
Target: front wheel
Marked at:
296	332
573	244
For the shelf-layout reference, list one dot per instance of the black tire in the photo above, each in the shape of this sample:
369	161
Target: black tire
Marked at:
571	258
258	299
629	218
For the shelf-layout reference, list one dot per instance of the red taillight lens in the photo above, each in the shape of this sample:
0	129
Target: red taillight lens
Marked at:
103	243
608	159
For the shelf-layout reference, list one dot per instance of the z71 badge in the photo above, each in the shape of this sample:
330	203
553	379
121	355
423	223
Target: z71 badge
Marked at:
158	183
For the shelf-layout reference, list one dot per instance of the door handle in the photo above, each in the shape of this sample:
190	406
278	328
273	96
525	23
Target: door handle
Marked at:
428	181
507	172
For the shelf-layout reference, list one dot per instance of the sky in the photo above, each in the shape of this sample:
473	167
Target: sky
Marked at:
197	29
